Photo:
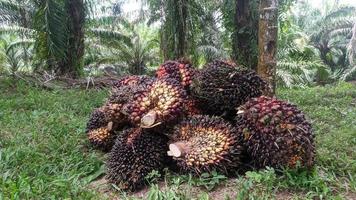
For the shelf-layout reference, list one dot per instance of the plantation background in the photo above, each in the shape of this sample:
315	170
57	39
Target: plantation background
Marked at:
57	58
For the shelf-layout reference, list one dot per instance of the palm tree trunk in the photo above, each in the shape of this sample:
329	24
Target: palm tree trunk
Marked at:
182	32
72	65
244	38
163	43
324	51
267	42
25	24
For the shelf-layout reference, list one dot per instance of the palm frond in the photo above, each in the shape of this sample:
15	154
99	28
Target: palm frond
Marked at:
351	46
50	19
349	73
210	52
19	43
341	12
285	78
325	31
344	32
9	10
109	35
291	72
17	30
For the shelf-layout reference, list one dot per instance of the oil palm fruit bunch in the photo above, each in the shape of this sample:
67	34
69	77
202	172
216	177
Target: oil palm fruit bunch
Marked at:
180	70
96	120
123	89
204	143
221	86
161	102
101	124
276	133
122	93
135	154
113	112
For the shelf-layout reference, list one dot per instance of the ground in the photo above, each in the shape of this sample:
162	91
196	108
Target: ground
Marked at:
44	153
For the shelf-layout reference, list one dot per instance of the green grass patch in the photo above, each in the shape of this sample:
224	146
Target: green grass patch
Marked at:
44	153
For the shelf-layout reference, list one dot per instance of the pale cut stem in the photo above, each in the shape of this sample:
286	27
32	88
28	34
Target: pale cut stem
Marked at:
178	149
169	153
110	126
240	112
149	119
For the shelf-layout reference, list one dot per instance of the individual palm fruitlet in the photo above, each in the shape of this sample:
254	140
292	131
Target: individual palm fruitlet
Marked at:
221	86
276	133
135	154
161	102
179	70
203	143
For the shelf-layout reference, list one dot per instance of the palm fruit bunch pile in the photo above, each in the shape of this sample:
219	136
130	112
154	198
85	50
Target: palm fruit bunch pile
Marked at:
195	121
275	133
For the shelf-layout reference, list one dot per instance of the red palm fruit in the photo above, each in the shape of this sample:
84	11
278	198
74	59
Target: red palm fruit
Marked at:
123	89
102	138
275	133
130	80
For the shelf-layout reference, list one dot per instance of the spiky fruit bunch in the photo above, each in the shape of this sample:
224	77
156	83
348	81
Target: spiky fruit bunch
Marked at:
162	101
123	90
113	112
101	124
221	86
135	154
179	70
96	120
203	143
276	133
107	113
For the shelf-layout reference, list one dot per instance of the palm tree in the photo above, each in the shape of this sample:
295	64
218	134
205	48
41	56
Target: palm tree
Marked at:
330	35
13	54
56	26
133	48
174	16
240	18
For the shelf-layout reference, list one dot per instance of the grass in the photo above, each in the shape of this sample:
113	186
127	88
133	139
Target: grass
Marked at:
44	153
